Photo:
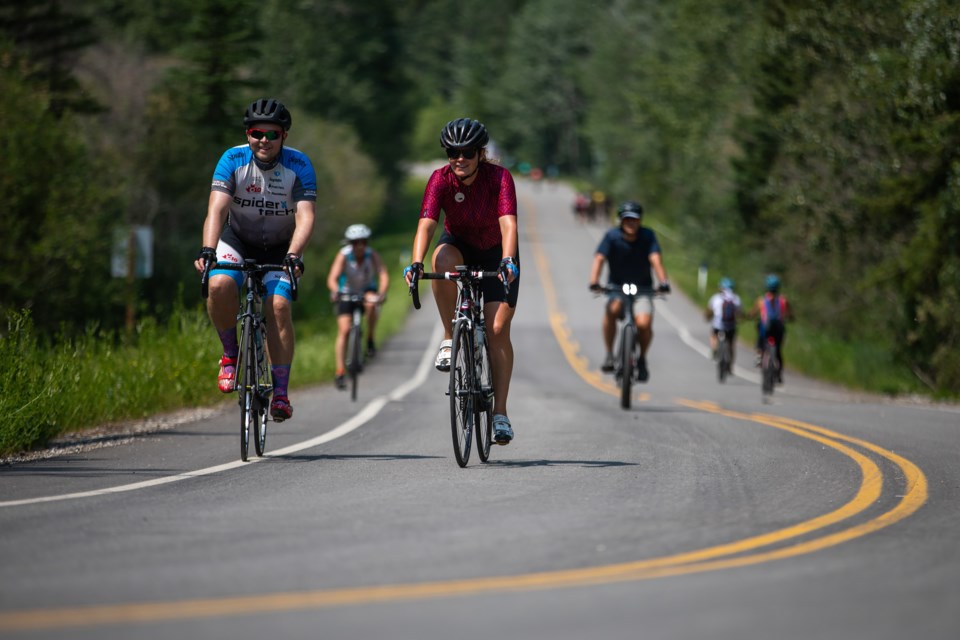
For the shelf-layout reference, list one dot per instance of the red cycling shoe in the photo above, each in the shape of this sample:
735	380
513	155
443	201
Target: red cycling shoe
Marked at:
226	377
281	409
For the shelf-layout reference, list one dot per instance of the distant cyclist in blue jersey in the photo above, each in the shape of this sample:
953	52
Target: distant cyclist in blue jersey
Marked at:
631	251
262	206
772	312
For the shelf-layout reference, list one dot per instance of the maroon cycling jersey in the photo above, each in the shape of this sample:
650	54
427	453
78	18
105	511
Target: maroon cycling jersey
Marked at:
471	212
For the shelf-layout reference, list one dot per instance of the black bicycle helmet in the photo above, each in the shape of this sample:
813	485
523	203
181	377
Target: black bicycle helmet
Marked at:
630	209
463	133
268	110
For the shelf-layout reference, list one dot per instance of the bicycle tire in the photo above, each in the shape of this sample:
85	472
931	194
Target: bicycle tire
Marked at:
723	357
263	392
246	384
461	391
483	413
628	345
769	368
353	348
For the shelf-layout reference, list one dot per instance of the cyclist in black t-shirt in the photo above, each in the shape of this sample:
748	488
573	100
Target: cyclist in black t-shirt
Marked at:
631	252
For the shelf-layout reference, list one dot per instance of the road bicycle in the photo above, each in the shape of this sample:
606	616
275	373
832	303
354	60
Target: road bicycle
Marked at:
253	377
353	360
627	349
471	376
724	356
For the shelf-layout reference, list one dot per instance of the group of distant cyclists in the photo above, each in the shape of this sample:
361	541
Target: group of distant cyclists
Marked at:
770	310
262	206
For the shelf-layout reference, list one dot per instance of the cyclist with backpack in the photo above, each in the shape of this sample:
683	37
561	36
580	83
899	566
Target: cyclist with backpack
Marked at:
772	312
723	310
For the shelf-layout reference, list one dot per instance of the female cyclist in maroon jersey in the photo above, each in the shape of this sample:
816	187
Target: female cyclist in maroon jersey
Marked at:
479	201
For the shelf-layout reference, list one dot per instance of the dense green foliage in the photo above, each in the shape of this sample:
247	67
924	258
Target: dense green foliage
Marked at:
817	139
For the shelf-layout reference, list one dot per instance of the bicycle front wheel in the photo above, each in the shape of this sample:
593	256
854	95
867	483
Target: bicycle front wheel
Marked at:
462	385
355	364
246	385
628	345
264	388
483	413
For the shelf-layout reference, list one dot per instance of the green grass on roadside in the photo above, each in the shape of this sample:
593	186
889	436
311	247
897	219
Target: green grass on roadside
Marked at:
52	386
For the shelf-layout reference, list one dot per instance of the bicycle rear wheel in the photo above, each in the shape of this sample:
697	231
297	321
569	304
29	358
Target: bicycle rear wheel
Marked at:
355	364
723	357
483	413
769	366
628	345
461	391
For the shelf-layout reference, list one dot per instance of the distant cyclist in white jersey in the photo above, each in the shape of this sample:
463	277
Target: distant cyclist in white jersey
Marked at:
358	270
262	206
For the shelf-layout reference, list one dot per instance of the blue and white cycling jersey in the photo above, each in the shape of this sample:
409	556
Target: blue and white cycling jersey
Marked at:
264	197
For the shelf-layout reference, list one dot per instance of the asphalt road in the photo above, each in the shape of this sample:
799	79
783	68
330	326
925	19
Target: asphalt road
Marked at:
702	512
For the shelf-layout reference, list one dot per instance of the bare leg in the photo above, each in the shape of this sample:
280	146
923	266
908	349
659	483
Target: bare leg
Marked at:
445	258
278	312
501	351
223	302
344	321
609	326
644	332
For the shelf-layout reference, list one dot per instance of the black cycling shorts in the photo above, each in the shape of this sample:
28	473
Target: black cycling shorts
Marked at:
486	260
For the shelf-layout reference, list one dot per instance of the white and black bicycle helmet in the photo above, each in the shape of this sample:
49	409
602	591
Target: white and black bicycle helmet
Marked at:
464	133
268	110
357	232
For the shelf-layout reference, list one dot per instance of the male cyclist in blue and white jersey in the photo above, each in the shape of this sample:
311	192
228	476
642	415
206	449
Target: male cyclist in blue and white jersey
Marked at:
357	270
262	206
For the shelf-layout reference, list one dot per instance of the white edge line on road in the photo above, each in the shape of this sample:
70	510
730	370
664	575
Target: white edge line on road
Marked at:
363	416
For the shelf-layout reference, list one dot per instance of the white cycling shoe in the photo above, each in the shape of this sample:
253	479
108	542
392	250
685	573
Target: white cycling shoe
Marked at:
502	431
443	356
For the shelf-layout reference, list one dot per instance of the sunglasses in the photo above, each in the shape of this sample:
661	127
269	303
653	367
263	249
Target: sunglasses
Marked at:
468	154
260	134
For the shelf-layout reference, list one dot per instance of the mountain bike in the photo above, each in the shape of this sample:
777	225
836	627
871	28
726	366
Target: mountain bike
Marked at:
724	356
627	349
354	353
471	376
253	378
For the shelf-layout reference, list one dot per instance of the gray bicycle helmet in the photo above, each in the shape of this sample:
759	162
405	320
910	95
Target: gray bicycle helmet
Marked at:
464	133
630	209
268	110
357	232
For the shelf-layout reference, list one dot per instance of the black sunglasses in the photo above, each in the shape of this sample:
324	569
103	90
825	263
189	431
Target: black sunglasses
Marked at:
259	134
468	154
